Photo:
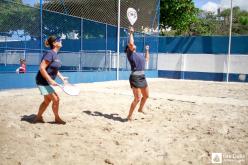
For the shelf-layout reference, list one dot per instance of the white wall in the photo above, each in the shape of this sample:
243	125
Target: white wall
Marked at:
205	63
169	62
239	64
14	58
202	63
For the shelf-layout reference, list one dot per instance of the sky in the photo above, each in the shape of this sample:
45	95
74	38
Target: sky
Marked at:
213	5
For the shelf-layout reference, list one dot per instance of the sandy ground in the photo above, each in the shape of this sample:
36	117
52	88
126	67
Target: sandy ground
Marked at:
186	122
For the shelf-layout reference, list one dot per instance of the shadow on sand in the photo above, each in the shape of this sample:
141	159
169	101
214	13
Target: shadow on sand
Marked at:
113	116
28	118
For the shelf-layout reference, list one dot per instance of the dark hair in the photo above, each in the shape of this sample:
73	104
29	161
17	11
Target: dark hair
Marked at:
126	49
49	42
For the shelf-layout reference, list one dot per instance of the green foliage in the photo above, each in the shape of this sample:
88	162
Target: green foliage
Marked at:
206	24
243	20
184	19
240	22
177	14
14	17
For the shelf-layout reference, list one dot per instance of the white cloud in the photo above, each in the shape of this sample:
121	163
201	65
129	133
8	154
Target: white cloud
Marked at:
210	7
243	4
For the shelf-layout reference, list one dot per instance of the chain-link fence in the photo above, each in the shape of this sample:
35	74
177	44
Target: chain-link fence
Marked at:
106	11
88	30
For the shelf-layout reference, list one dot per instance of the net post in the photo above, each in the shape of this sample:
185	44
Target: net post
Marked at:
79	65
118	40
5	51
6	58
110	60
229	44
41	17
106	46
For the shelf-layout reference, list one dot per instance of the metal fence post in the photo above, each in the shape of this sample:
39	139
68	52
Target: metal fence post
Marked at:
229	44
118	40
41	35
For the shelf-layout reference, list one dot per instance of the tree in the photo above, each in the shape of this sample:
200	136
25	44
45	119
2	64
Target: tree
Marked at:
206	24
15	17
178	15
240	22
183	18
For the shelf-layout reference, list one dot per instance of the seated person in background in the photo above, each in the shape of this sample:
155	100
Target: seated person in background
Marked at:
22	68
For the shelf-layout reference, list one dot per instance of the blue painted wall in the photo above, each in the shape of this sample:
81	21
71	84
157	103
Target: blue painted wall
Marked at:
27	80
13	67
203	45
187	45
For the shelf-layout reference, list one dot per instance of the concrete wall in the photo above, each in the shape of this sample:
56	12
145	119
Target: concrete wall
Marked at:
202	66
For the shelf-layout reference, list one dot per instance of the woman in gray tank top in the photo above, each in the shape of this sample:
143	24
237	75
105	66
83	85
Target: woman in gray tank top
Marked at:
137	77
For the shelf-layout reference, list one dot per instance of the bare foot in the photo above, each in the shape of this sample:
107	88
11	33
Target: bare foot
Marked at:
59	121
38	120
144	113
129	118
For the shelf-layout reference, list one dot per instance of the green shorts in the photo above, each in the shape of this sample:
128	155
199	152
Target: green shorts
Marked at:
45	90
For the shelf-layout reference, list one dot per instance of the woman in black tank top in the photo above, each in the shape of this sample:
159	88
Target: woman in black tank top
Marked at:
45	79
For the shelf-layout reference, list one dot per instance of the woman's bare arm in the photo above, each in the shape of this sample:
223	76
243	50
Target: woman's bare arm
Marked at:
147	55
61	76
131	39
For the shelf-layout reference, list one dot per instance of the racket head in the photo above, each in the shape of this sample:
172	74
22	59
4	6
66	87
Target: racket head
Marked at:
17	70
132	15
70	89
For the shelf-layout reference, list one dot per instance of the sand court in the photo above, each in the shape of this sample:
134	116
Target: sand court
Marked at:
186	122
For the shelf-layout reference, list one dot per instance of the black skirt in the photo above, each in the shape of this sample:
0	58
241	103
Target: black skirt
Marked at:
137	81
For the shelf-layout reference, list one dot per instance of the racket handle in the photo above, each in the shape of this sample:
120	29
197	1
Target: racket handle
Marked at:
61	86
131	29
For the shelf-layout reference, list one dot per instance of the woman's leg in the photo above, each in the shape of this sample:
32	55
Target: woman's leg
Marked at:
145	94
42	108
137	96
55	107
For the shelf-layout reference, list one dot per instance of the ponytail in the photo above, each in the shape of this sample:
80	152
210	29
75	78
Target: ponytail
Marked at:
49	42
46	43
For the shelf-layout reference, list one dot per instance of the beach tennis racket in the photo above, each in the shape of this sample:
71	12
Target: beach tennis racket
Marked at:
18	69
69	89
132	15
